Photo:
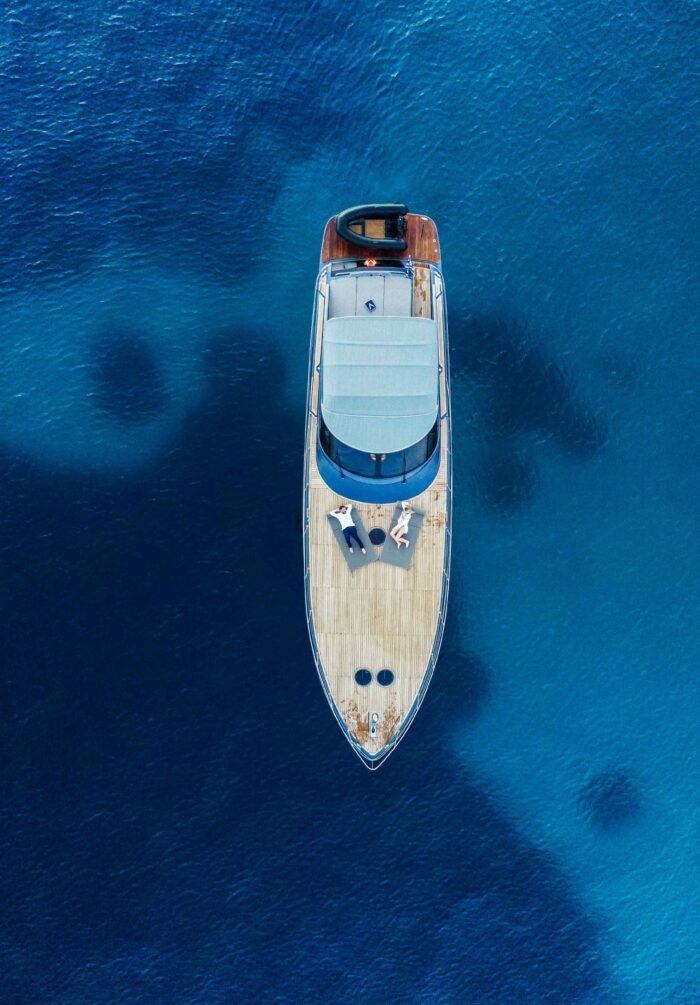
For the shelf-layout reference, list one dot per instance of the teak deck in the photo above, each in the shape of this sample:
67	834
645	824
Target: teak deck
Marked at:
421	238
380	615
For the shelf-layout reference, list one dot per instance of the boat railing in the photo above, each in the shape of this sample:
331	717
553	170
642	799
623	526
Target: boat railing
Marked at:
442	610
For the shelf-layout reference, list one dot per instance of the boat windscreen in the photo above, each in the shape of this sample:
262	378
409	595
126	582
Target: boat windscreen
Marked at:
377	465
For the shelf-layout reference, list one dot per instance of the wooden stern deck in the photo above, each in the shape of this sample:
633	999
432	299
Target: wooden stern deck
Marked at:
379	616
421	238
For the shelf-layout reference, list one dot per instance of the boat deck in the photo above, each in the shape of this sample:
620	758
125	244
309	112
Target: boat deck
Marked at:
380	615
421	238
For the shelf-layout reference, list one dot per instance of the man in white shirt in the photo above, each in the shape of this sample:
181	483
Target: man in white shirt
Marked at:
344	516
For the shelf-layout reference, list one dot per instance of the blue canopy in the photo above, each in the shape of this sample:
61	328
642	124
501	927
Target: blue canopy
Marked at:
379	381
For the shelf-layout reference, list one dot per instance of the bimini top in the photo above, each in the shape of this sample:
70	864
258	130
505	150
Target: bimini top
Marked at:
379	381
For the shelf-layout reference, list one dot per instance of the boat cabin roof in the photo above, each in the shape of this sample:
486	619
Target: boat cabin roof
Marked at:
379	381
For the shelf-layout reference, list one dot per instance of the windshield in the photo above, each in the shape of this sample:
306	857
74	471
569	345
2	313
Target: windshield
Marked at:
393	465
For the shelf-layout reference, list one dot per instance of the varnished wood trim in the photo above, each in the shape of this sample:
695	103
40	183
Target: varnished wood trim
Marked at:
421	238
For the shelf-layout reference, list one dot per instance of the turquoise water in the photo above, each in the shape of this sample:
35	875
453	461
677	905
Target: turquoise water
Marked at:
183	821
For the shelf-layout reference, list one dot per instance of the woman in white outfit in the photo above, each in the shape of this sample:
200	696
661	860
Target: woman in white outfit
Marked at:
398	533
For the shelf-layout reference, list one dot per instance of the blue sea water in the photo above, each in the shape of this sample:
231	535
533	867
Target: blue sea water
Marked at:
182	820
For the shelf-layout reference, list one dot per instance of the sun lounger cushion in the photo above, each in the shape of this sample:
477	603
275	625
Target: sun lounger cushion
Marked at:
354	559
402	556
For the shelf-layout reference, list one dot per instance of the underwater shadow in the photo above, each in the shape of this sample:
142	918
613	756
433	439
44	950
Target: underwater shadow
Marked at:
524	397
182	759
129	386
610	800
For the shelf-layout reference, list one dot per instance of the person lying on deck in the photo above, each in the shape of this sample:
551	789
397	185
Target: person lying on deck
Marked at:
398	533
344	515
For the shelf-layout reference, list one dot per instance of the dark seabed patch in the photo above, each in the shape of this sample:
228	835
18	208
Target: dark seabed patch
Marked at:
177	152
129	386
173	773
610	800
462	683
505	476
524	397
474	682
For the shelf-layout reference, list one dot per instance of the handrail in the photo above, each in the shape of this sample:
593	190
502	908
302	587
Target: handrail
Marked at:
442	608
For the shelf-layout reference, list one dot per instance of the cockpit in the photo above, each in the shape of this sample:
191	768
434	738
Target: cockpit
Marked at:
379	380
397	464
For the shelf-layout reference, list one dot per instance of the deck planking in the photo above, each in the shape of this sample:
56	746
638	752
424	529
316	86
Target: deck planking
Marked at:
378	616
421	238
422	300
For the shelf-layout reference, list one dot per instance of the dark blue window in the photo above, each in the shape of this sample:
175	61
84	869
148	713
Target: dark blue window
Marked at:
393	465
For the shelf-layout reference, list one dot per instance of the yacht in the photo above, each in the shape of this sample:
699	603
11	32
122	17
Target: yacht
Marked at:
377	471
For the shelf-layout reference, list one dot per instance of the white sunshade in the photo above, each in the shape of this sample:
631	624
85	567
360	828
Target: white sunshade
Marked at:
379	379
